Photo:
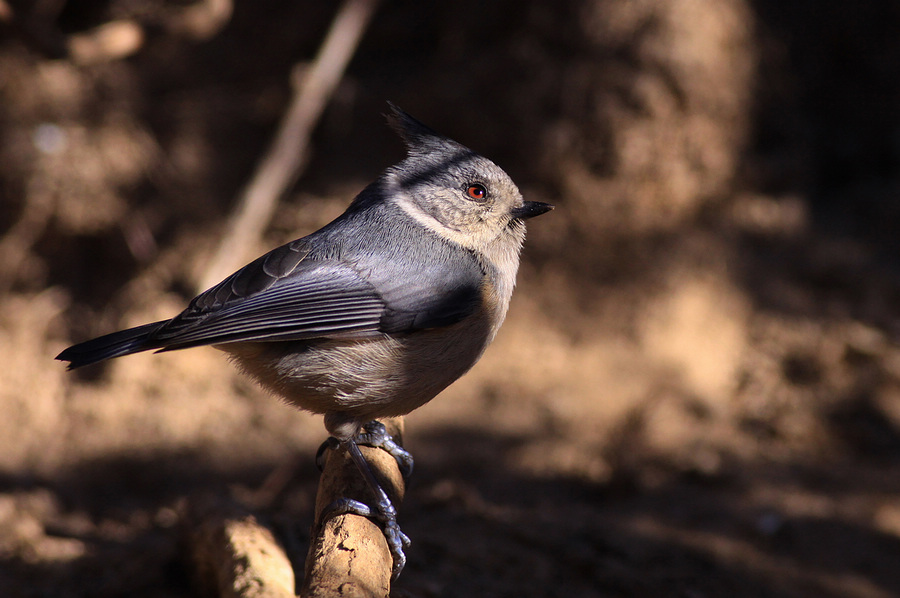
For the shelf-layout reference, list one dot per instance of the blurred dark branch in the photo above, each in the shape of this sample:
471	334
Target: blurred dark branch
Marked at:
203	20
284	161
17	243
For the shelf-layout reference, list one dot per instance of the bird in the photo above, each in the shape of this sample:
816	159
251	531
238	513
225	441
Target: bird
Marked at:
374	314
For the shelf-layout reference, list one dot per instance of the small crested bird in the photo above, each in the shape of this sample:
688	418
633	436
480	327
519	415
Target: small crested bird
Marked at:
377	312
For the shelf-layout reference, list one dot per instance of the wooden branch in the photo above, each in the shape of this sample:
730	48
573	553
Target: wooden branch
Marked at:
234	556
285	159
348	555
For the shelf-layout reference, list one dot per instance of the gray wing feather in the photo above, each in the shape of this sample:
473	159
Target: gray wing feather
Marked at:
350	286
278	297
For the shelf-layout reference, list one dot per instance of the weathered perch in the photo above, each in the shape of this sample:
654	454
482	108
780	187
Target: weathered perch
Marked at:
348	554
234	556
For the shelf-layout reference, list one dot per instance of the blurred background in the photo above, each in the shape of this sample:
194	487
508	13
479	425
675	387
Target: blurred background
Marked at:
697	390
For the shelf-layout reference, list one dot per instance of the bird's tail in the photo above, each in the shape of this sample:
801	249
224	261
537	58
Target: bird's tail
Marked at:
124	342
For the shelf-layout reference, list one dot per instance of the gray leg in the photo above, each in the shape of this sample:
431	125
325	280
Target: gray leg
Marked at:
374	434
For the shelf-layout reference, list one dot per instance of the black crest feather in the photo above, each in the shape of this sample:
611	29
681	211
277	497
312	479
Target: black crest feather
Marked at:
419	138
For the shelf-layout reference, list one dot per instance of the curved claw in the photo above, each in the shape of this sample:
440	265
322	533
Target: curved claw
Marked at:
330	443
342	506
374	434
396	539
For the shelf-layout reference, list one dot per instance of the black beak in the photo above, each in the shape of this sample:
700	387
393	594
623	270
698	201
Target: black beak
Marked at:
530	209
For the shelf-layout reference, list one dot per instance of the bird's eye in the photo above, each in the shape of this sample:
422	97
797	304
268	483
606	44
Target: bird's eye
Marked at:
476	191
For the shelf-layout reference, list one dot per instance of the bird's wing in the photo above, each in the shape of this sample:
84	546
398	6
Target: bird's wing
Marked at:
433	298
280	296
286	295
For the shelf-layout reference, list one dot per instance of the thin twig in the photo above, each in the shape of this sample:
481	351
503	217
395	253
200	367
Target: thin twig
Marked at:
285	159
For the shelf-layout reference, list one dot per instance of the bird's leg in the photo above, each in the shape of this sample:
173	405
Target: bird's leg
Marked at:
373	434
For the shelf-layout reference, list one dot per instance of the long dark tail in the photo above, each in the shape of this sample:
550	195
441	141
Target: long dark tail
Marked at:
124	342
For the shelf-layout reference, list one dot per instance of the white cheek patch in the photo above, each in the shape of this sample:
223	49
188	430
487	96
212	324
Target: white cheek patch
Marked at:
430	222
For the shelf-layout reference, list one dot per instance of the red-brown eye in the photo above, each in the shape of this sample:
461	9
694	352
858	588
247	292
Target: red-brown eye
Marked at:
476	192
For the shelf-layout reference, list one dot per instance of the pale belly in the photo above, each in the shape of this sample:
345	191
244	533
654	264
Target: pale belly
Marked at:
364	379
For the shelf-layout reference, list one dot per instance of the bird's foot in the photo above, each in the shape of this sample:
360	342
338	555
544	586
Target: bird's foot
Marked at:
386	515
375	435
